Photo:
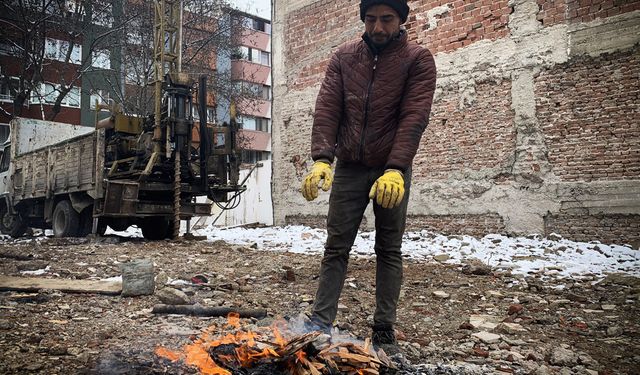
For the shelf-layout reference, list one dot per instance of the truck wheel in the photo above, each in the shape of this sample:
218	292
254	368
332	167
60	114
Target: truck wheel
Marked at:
12	225
66	221
154	228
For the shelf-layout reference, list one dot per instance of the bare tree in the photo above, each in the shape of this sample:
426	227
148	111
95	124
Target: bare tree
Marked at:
58	44
53	40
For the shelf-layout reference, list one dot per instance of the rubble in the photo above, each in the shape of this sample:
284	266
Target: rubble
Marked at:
573	325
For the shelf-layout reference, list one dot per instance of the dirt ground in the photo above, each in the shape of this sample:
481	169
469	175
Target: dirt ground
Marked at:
585	327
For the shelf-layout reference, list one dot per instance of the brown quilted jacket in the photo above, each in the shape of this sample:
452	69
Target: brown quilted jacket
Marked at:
373	109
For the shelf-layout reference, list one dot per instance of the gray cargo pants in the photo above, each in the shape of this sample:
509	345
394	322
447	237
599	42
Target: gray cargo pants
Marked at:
347	203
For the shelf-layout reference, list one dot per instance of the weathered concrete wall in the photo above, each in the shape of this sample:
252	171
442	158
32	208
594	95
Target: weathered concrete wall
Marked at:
535	126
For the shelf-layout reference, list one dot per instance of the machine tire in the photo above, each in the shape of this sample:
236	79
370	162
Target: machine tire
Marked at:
65	221
13	225
154	228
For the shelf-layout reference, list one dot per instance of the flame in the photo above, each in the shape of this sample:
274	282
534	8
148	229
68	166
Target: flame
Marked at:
168	354
233	319
278	338
232	346
198	356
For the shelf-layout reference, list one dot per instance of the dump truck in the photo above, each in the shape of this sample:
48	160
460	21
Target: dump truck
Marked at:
127	170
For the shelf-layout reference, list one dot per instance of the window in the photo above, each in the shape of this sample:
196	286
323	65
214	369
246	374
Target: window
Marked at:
266	93
257	24
262	124
248	123
252	157
100	96
5	159
44	93
74	6
9	88
55	49
255	123
101	59
9	49
254	55
47	93
265	58
73	98
4	133
102	14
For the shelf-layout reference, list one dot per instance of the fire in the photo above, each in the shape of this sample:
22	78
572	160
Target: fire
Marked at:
227	349
301	356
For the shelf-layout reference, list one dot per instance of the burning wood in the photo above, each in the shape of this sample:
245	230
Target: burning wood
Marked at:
232	349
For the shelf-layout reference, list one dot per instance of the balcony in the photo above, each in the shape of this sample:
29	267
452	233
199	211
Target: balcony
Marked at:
243	70
254	140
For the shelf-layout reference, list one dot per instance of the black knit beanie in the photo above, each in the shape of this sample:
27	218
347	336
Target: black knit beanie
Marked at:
399	6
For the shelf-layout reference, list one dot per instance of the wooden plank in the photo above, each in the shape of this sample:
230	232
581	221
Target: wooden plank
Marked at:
33	284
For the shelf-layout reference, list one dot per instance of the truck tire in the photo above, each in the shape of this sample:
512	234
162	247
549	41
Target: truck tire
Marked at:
12	225
154	228
66	221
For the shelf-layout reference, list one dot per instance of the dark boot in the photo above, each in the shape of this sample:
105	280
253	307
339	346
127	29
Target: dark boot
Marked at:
314	324
384	337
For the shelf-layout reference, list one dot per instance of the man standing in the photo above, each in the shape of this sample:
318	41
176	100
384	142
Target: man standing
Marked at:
370	114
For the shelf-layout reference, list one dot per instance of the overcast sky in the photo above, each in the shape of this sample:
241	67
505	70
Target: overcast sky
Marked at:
261	8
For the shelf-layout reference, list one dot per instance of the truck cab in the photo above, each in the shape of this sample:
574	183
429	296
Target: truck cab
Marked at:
11	222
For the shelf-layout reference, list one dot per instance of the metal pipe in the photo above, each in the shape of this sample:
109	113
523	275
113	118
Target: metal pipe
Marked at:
204	142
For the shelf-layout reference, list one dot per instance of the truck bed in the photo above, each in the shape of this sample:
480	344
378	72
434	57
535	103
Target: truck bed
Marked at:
68	166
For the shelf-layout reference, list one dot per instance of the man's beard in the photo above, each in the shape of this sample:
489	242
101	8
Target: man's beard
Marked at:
387	38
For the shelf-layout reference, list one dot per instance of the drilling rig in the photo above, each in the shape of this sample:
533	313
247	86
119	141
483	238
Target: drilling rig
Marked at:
214	170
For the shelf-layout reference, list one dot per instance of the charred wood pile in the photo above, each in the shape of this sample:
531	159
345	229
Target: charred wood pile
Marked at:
236	349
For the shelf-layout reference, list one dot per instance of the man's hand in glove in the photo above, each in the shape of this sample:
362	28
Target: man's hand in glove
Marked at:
388	189
321	170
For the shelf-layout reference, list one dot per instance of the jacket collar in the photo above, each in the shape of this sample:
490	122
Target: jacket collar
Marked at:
394	44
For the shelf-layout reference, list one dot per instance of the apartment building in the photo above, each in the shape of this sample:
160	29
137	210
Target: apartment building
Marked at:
50	48
251	72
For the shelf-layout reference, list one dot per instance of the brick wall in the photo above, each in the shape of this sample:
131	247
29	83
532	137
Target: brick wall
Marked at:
464	136
448	25
315	221
589	109
617	229
472	225
588	10
536	114
552	12
304	32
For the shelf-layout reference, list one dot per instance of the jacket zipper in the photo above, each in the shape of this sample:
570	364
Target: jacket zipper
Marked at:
366	110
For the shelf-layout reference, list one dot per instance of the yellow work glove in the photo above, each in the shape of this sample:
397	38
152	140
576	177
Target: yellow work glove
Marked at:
320	170
388	189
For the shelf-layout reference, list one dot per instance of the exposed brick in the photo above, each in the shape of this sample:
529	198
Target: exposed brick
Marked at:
469	21
472	225
590	115
470	138
585	11
616	229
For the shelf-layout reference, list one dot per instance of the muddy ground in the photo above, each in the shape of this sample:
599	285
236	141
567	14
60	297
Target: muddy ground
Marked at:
582	326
